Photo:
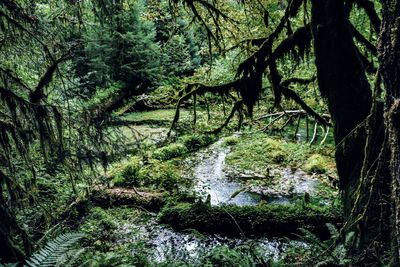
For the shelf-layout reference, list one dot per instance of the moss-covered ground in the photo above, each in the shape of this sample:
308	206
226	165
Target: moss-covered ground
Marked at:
156	187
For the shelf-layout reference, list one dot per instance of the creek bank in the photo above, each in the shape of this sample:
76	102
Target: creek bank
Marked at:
232	184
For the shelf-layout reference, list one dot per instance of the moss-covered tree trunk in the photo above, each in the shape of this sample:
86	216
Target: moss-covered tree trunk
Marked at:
358	136
389	47
342	81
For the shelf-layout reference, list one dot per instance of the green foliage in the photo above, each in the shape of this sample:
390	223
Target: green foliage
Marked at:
128	174
103	95
273	220
329	252
52	252
154	175
224	256
317	163
111	258
195	141
123	50
170	151
98	227
163	175
177	59
230	140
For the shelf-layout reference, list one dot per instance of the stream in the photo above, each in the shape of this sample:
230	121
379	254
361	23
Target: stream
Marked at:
162	243
223	188
211	179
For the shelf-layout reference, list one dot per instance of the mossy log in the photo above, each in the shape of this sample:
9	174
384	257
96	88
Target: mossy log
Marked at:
266	220
108	197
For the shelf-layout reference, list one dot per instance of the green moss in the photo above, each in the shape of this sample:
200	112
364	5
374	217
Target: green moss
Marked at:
170	151
127	175
98	226
271	220
163	175
255	152
195	141
230	140
317	163
159	115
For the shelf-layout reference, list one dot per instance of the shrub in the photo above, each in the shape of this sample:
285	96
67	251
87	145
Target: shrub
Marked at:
317	164
195	141
231	140
128	175
170	151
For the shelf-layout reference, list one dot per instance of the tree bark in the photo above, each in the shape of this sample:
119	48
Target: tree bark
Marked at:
389	57
359	137
342	81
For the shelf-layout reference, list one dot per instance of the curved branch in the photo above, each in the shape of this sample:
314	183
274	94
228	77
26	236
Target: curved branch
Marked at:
238	104
369	8
289	93
266	48
200	89
359	37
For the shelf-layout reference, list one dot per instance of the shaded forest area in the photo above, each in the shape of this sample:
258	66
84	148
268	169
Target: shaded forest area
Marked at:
199	133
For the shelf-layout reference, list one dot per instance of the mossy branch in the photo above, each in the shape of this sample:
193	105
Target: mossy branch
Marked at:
200	89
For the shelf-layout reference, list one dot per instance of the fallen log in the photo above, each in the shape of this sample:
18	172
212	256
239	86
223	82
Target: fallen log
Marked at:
262	220
109	197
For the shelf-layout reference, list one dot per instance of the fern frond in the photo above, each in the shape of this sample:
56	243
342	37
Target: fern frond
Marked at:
53	250
332	230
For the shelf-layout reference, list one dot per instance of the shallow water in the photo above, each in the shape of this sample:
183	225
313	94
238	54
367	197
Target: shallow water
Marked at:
162	243
212	179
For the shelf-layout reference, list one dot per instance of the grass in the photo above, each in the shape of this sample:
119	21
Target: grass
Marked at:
317	163
170	151
155	115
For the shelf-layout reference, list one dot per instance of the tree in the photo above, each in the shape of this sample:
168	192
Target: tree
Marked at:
365	138
39	134
389	58
123	49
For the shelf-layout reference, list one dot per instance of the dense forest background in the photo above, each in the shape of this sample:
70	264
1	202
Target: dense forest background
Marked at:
122	123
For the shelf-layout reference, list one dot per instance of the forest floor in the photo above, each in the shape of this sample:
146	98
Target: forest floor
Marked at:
200	199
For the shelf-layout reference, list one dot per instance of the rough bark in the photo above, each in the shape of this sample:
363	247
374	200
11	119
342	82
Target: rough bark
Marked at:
389	57
358	136
342	81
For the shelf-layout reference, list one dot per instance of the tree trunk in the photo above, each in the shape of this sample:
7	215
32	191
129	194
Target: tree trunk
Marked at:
389	57
9	252
343	83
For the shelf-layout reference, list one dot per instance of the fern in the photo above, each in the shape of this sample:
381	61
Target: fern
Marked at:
51	253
